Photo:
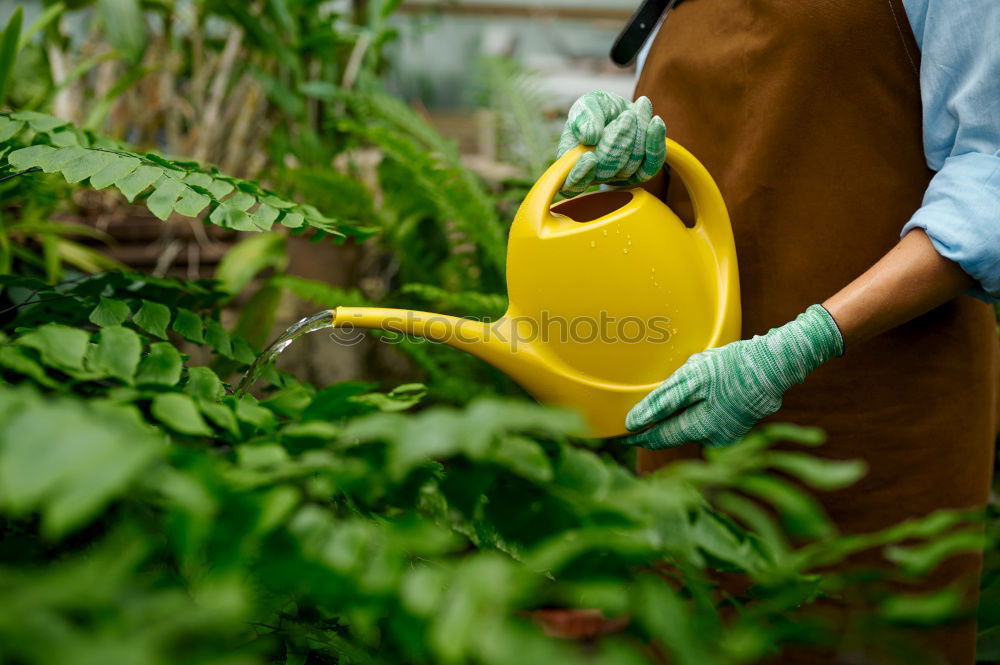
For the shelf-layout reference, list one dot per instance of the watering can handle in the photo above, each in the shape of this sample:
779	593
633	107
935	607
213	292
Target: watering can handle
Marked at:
711	225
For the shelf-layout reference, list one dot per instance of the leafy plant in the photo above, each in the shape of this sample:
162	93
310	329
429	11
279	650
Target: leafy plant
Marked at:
514	95
53	146
424	184
167	519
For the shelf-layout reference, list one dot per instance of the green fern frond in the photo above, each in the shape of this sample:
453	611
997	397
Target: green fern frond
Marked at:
31	141
433	165
439	184
515	92
465	186
465	303
319	293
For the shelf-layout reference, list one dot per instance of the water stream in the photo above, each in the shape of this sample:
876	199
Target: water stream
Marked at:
307	325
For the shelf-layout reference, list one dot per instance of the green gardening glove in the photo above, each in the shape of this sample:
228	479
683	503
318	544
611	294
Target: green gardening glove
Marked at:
719	394
629	141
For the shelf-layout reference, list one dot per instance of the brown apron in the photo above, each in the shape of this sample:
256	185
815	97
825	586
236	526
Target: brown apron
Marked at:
808	115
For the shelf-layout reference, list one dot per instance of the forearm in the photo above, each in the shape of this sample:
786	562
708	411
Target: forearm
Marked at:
909	280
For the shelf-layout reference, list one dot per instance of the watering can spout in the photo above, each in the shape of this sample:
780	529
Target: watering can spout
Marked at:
512	345
484	340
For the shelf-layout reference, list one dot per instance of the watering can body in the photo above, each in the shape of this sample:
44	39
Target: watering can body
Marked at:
609	294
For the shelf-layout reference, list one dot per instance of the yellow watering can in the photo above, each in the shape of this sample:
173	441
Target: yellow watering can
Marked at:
609	294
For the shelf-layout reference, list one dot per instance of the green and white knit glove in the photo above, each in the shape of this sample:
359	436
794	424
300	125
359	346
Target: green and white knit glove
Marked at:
719	394
629	141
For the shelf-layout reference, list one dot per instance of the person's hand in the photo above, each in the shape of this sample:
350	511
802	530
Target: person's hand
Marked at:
629	141
719	394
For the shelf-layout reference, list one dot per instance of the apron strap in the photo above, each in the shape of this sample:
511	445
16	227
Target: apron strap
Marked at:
639	28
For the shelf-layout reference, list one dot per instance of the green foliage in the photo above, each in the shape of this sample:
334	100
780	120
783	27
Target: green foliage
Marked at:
248	258
34	141
54	315
989	602
433	204
148	514
125	26
467	303
65	459
319	293
8	51
515	94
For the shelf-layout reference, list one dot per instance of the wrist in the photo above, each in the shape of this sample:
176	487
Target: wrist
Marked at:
802	345
824	330
814	338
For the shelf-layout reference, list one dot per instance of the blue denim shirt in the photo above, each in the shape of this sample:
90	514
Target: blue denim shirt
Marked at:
960	88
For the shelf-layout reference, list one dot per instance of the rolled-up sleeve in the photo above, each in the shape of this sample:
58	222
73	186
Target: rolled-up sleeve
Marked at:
960	88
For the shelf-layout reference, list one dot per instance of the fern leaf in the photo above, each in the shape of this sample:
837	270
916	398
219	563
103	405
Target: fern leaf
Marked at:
275	202
55	161
9	46
116	170
319	293
220	188
162	201
27	158
466	303
136	182
9	128
241	201
191	203
87	166
515	92
40	122
231	218
433	167
202	180
33	140
264	216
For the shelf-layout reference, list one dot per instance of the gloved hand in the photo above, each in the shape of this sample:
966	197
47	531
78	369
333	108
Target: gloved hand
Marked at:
629	141
724	392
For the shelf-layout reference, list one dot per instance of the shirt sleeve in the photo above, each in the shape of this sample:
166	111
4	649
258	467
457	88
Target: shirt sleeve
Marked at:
960	87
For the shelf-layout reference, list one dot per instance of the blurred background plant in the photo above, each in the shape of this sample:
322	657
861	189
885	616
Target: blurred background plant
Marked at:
284	149
289	92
